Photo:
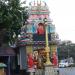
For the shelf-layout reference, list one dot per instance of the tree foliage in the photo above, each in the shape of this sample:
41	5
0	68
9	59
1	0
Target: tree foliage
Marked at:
66	50
12	16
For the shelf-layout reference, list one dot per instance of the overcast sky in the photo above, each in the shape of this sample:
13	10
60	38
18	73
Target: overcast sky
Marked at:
63	16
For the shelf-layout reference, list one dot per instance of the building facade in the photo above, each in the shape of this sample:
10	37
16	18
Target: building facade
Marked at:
32	38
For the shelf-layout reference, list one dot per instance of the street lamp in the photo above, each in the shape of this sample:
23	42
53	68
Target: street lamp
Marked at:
47	49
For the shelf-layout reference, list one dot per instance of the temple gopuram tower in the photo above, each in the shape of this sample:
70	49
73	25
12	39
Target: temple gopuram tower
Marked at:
32	38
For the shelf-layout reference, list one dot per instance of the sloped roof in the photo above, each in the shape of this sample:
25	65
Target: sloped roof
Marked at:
6	51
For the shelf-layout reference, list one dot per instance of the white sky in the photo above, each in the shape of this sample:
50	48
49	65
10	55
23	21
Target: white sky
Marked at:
63	16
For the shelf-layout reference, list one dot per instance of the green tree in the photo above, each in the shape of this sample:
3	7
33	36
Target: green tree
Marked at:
66	50
12	17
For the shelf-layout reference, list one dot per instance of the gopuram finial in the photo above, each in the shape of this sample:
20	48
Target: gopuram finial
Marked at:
40	2
37	2
34	2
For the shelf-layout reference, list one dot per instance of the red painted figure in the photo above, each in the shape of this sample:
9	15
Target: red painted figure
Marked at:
40	29
54	59
30	61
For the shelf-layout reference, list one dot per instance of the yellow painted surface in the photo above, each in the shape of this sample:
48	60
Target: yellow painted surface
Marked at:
53	48
29	49
2	72
48	62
